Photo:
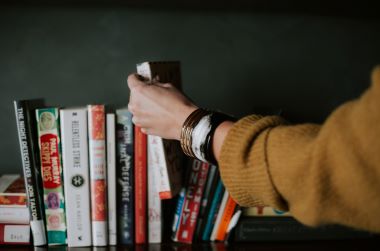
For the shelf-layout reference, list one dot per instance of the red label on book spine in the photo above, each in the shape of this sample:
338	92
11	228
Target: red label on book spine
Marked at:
99	204
50	163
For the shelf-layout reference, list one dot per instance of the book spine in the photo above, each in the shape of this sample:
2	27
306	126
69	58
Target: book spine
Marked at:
13	200
154	202
30	165
211	217
193	197
14	234
157	155
178	213
97	153
111	179
225	220
219	216
212	180
12	191
14	215
51	171
125	177
140	186
76	176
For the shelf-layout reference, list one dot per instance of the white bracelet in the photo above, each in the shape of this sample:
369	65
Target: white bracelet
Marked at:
199	136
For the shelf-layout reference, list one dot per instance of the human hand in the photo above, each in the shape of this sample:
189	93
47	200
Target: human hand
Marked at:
159	109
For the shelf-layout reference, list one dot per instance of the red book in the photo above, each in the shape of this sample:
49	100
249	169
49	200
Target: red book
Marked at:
14	234
12	191
192	202
140	186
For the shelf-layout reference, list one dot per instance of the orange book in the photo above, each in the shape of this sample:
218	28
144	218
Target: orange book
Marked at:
226	218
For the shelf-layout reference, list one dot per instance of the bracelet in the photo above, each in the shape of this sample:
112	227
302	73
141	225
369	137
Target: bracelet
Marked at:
197	133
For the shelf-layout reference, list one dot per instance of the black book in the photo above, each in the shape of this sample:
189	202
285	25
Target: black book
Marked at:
125	177
288	229
27	134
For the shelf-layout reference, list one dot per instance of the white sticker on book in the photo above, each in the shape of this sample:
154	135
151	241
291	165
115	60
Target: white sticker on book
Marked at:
16	233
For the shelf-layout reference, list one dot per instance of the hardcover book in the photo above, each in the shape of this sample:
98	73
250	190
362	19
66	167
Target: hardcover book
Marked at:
125	176
12	191
97	153
111	178
14	234
27	135
167	153
192	201
51	171
76	176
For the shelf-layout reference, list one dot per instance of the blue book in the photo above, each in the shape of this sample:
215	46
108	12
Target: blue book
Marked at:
213	211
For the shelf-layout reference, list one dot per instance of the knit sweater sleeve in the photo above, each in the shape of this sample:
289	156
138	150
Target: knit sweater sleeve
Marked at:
327	173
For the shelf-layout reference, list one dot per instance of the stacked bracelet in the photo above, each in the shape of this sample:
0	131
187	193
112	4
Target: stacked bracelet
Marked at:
198	131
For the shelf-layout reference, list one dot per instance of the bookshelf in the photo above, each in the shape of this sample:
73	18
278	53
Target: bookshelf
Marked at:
78	52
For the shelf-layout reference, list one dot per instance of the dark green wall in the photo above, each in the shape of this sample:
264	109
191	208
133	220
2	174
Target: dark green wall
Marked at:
240	62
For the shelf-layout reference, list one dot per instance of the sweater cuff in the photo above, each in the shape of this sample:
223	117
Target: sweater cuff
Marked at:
243	163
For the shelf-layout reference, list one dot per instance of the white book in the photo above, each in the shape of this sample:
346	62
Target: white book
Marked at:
98	165
168	152
14	215
219	216
111	178
76	176
154	202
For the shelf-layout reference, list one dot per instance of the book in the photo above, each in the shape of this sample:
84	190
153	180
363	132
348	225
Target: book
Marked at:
210	187
219	215
12	191
97	154
51	171
140	186
11	234
213	212
125	176
27	136
168	153
14	215
155	220
288	229
192	201
76	176
226	218
111	178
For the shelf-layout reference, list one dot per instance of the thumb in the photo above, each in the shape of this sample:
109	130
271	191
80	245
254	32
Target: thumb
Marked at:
135	80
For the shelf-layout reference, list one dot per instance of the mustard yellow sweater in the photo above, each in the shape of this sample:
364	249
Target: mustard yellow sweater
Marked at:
322	174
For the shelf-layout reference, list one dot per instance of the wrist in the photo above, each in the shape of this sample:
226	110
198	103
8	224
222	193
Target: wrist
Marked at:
197	134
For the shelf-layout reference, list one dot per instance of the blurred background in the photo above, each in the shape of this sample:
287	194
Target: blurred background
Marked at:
236	59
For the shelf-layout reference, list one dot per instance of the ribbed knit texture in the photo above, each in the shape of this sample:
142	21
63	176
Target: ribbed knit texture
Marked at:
326	173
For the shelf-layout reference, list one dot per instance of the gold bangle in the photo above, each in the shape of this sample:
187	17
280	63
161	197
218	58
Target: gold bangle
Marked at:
187	128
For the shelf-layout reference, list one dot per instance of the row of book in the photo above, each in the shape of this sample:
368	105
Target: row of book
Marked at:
93	178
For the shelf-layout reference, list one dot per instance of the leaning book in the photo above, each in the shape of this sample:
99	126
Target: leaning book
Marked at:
27	135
